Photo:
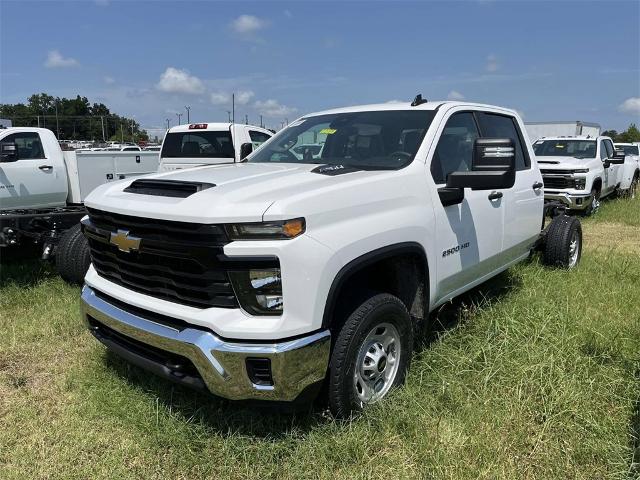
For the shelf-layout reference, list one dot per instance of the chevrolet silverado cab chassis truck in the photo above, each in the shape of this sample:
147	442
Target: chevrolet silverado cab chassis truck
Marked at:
269	278
580	170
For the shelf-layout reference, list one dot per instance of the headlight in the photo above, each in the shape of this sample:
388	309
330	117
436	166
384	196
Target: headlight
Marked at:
580	183
259	292
282	230
581	170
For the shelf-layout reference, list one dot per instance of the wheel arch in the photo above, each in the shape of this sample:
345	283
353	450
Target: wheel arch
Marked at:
597	184
417	303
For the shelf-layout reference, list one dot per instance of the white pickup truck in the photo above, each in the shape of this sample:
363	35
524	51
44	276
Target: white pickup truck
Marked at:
197	144
270	278
42	190
631	168
580	170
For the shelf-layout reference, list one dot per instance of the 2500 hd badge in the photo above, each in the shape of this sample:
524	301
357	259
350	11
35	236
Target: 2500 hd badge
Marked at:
456	249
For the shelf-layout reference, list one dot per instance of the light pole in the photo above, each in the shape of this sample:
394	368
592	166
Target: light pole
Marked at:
188	109
261	124
179	115
168	121
229	113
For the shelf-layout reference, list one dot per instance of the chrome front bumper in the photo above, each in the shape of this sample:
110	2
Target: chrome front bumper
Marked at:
571	200
220	364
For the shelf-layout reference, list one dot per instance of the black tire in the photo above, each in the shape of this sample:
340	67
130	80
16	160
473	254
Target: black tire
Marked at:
73	256
633	188
377	310
595	203
558	251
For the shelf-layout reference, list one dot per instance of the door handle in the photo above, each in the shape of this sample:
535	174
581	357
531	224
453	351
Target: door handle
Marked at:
538	185
46	168
495	195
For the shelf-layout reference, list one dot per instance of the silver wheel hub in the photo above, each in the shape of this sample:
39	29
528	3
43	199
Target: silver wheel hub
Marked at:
574	249
377	363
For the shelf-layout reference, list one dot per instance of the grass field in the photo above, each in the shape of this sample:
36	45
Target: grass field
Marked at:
536	374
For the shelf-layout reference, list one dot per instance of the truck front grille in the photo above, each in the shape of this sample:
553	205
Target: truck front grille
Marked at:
176	261
558	182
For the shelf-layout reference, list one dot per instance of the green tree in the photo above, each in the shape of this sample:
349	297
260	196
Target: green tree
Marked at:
631	134
611	133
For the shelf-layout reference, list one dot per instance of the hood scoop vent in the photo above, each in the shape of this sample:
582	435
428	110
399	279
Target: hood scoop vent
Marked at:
333	170
166	188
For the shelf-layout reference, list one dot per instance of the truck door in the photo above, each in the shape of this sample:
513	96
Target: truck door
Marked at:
468	235
610	179
524	202
38	179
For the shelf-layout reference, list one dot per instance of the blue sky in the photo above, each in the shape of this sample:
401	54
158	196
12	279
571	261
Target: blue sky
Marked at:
549	60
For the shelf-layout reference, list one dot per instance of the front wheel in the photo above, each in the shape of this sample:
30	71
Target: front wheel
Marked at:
595	203
371	354
563	243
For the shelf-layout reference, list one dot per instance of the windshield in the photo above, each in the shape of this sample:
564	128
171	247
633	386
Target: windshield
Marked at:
364	140
628	149
198	144
565	148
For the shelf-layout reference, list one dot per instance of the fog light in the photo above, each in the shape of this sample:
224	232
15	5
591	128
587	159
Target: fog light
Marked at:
259	292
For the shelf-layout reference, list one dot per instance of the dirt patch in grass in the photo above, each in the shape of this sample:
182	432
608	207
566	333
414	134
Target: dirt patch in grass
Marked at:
612	236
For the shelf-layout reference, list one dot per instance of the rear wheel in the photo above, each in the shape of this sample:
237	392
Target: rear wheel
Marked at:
563	243
633	189
371	354
72	255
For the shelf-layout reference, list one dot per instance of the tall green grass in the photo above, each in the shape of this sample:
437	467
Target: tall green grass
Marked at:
532	375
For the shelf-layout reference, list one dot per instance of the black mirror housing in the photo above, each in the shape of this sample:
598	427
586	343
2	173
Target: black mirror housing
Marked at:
8	152
493	166
245	150
618	157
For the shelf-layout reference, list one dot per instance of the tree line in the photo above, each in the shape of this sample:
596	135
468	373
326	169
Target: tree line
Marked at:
73	119
630	135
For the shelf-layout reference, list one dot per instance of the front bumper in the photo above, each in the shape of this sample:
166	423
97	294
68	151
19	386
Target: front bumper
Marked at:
573	201
216	365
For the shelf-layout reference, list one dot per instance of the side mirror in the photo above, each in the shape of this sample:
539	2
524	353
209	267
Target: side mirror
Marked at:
8	152
493	166
618	157
245	150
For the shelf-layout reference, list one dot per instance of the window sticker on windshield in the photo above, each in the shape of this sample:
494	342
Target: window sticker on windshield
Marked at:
559	145
328	131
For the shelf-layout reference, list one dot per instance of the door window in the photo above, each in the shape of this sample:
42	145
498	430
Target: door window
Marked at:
28	145
502	126
609	146
455	146
603	150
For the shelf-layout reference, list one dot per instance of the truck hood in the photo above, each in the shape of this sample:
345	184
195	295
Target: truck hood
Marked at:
563	162
242	191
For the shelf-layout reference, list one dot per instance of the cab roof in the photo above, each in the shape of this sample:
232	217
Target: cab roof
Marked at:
430	105
211	126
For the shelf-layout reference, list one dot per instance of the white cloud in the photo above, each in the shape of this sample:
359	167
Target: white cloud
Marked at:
109	80
243	97
455	95
220	98
56	60
248	24
174	80
492	64
272	108
630	105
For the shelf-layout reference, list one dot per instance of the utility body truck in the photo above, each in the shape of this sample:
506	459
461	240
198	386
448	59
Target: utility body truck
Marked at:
579	171
537	130
197	144
42	190
272	277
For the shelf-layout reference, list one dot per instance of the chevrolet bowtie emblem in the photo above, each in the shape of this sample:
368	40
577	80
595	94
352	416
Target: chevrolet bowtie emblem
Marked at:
124	241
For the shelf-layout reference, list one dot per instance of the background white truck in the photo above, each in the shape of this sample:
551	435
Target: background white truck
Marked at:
631	168
197	144
537	130
271	278
42	190
580	170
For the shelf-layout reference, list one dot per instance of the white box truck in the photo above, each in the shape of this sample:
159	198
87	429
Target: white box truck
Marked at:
538	130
